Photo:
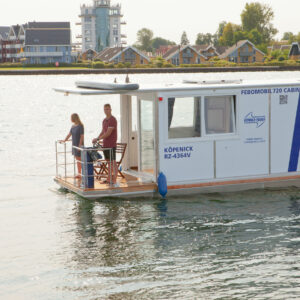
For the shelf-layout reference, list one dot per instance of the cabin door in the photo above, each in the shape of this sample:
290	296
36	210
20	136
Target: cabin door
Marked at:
146	136
133	136
129	131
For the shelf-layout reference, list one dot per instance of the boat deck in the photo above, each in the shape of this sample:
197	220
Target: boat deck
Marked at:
128	186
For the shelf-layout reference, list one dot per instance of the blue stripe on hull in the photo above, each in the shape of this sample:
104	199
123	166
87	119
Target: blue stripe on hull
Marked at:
294	157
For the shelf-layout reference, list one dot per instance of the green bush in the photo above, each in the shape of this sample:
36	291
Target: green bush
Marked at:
185	66
258	64
98	65
11	65
168	65
159	64
281	58
291	62
120	65
275	63
81	65
109	65
127	64
142	66
224	63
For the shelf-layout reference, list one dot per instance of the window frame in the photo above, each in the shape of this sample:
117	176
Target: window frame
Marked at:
204	137
203	123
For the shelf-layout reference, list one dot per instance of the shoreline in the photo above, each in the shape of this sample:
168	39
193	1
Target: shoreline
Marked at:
66	71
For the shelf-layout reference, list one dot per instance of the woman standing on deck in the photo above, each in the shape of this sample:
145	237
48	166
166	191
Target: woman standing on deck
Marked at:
77	133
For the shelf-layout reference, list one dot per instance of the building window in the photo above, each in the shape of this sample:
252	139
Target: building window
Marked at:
219	114
184	117
130	56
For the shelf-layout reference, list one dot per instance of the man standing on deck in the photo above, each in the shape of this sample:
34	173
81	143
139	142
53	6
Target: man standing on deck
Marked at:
109	135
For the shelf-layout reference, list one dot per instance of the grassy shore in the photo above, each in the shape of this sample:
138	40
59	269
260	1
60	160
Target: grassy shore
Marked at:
154	64
154	67
74	71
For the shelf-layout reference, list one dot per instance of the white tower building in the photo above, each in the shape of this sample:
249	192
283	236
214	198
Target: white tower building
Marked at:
101	25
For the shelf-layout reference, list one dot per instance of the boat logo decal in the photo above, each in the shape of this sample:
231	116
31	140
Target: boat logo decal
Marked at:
252	119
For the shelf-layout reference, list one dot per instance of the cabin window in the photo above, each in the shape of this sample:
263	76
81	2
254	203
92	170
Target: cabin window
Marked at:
219	114
184	117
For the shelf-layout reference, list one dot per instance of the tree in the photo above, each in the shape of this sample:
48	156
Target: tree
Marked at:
158	41
227	38
259	16
205	39
288	36
255	37
263	48
144	38
184	39
240	35
220	30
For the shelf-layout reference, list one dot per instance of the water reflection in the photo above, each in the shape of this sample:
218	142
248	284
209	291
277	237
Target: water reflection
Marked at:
112	233
294	224
217	244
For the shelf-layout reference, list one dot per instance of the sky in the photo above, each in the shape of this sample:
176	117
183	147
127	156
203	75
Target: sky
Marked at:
166	18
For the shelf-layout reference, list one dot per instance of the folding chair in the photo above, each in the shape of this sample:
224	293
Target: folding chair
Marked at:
101	166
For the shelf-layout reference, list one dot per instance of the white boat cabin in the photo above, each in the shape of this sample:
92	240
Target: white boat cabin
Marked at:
205	136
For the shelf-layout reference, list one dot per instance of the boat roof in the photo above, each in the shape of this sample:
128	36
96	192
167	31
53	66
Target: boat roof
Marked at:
187	85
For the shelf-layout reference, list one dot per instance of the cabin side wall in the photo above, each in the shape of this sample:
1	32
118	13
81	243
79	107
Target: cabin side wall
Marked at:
248	154
258	147
285	130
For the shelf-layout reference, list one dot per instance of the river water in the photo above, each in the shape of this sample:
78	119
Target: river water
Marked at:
55	245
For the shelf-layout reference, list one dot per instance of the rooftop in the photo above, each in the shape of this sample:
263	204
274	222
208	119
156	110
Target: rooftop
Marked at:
48	37
4	30
261	85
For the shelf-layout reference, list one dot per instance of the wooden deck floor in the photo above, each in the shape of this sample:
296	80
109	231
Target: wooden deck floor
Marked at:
127	184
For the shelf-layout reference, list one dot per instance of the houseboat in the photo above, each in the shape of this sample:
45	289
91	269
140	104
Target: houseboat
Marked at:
197	137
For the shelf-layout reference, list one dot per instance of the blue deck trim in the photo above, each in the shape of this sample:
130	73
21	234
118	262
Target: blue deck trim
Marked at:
294	157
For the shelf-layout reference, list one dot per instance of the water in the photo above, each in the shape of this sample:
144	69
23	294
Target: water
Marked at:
55	245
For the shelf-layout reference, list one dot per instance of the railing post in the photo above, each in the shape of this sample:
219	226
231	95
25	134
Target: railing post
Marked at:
65	160
56	159
111	167
74	162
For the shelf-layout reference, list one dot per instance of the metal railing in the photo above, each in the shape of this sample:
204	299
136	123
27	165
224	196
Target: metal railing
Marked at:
63	165
65	159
